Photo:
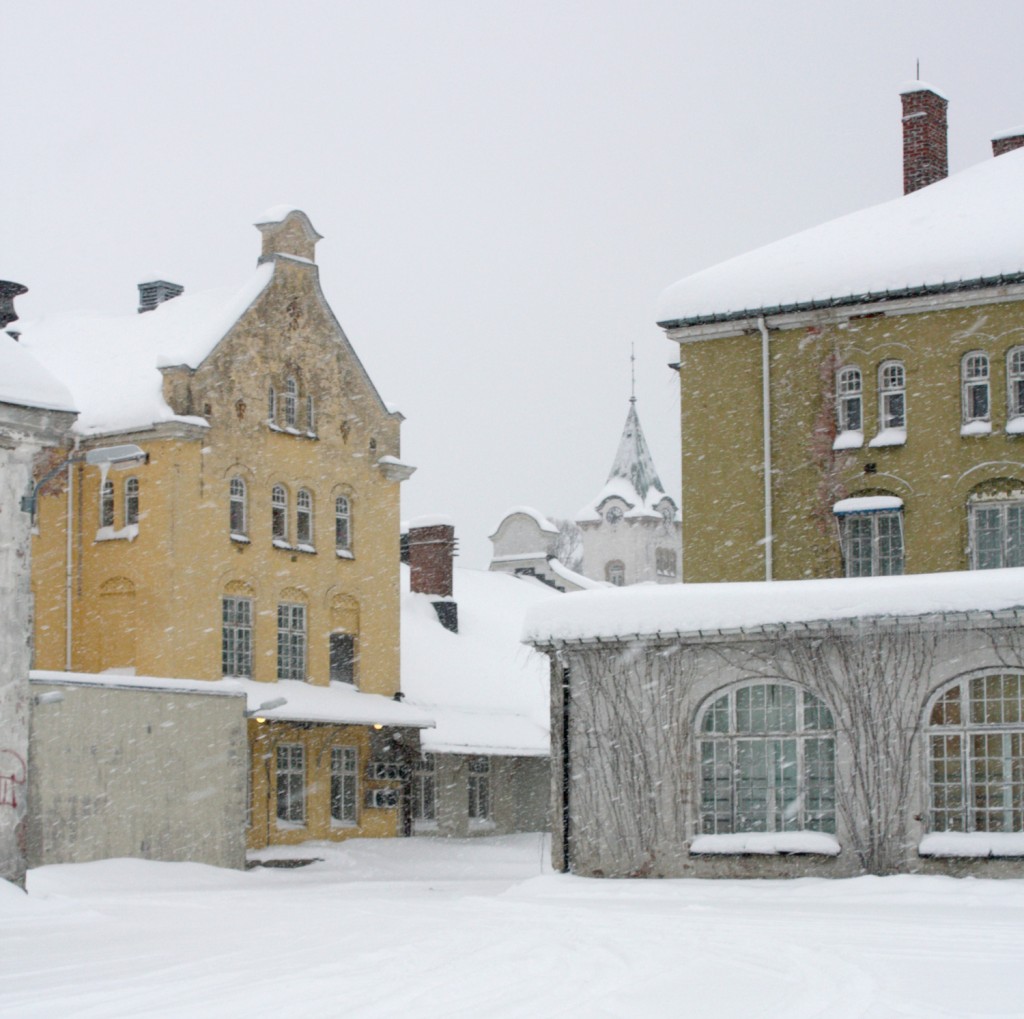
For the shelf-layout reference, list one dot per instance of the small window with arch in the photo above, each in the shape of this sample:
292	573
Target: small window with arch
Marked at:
131	501
291	403
237	512
304	520
974	392
343	526
849	400
279	515
1015	391
107	503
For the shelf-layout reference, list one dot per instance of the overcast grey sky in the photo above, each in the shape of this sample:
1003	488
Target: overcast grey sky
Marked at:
504	188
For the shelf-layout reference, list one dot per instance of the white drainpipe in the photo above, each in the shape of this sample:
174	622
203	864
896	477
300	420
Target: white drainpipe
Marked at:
766	428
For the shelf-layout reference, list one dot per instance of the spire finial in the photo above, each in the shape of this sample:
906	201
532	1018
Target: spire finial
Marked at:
632	373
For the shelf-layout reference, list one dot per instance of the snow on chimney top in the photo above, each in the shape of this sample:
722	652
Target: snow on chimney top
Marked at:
1007	141
431	555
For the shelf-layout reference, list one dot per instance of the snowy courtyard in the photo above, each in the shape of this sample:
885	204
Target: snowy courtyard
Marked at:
418	927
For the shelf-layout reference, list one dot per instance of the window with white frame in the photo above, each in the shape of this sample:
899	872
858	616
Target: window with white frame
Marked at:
1015	382
997	532
291	403
291	641
304	518
767	758
279	514
131	501
107	503
291	783
344	784
237	511
342	524
479	788
272	405
423	789
976	755
615	572
974	383
310	415
892	395
871	536
236	637
849	400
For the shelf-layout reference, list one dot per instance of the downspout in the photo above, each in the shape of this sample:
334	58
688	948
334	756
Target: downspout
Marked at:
68	566
566	769
766	428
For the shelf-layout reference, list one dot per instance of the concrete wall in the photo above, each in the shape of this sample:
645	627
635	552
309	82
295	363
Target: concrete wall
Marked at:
520	793
634	750
141	773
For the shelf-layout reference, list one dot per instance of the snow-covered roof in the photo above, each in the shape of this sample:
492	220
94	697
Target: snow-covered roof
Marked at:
26	383
528	511
338	703
487	692
648	610
957	233
633	477
96	357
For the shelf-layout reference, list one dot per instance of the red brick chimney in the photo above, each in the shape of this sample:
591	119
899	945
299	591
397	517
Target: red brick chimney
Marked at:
431	555
925	158
1007	141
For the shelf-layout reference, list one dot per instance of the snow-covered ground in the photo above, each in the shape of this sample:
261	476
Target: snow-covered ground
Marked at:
483	928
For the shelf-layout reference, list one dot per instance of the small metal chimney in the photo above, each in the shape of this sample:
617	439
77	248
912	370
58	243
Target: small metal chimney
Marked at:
8	291
156	292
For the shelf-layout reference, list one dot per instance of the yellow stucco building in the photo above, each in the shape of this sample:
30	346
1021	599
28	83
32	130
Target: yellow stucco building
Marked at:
852	397
255	543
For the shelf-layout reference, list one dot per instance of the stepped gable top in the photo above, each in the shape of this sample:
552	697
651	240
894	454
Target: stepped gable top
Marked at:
633	477
960	233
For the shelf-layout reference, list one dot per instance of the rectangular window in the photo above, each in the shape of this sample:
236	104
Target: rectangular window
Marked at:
424	772
872	544
975	387
107	504
291	641
343	658
236	637
997	535
291	783
479	789
131	501
344	783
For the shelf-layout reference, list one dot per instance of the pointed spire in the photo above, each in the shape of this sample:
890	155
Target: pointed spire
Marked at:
633	461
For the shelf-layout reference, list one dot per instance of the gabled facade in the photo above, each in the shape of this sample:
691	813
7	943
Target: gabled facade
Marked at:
257	538
631	528
852	397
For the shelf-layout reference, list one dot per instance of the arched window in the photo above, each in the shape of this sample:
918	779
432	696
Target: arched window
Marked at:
279	514
976	755
304	518
767	755
892	395
131	501
849	400
974	387
342	524
615	572
1015	382
107	503
291	403
238	521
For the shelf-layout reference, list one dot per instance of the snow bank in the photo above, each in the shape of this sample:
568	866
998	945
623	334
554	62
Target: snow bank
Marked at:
687	608
966	227
767	843
972	844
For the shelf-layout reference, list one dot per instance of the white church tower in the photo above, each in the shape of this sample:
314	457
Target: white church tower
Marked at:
632	532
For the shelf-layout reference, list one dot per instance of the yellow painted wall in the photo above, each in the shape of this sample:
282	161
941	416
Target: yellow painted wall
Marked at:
151	600
934	472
